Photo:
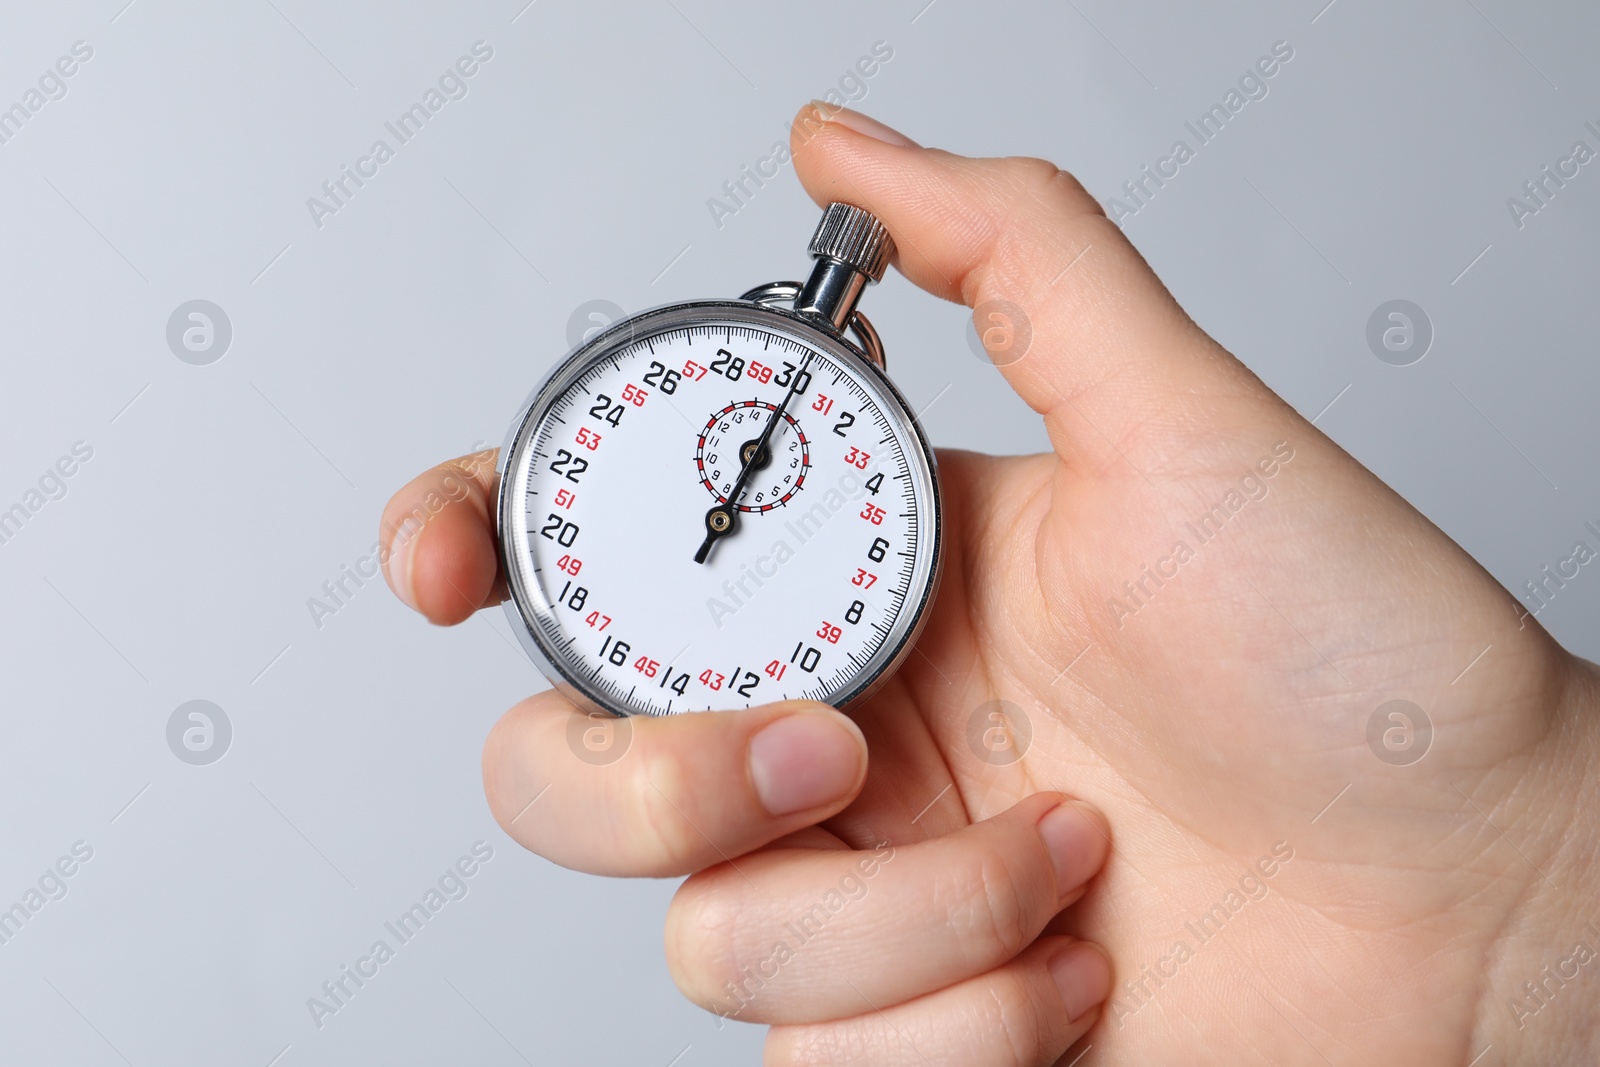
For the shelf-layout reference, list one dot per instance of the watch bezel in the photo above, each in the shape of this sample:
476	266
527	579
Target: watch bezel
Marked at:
524	606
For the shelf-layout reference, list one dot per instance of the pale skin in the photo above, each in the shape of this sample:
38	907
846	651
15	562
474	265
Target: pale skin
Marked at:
1201	719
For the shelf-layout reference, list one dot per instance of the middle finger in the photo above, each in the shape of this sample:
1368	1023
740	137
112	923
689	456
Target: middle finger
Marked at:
802	935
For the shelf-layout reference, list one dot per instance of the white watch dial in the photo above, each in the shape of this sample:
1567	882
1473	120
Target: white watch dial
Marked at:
613	470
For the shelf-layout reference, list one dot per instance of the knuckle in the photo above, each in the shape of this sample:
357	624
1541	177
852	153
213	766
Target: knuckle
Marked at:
1005	1014
1032	203
1042	180
1065	185
699	939
463	478
819	1045
1011	1008
669	841
987	908
1028	172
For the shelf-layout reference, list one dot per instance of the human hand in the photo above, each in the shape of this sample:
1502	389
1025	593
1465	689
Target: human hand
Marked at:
1213	701
890	939
1202	604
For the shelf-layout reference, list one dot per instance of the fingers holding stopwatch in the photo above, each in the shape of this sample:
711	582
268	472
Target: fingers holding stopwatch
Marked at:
801	935
1027	1012
653	797
437	540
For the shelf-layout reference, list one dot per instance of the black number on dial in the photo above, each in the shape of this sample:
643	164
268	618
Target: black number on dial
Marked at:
746	687
808	659
568	464
730	367
660	376
603	410
559	530
783	378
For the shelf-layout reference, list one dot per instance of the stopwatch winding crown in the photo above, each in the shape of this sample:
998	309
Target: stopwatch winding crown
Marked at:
852	248
855	238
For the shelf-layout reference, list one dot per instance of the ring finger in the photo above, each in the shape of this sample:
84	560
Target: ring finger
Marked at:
1027	1013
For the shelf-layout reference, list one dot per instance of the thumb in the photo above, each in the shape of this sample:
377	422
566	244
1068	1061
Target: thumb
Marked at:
1077	321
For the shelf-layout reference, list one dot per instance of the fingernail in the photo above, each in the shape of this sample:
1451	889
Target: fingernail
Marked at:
398	568
804	761
1077	844
864	125
1083	976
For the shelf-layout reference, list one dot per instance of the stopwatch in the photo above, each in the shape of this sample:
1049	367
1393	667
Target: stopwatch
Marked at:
720	503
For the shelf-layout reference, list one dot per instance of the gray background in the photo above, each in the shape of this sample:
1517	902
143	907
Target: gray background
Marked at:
407	328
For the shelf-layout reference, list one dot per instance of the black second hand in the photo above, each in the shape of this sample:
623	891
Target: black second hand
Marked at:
728	511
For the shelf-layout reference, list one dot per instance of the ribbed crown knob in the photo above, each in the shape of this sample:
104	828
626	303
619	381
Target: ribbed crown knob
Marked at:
854	237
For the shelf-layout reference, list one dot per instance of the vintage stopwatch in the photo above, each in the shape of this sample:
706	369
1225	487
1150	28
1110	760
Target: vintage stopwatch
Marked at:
722	503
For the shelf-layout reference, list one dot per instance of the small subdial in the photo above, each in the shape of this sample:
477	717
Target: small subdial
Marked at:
729	440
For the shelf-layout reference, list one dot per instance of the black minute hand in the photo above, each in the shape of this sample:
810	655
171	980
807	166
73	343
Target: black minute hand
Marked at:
723	518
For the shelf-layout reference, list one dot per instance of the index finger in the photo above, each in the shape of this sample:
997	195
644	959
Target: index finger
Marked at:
437	540
656	797
1066	307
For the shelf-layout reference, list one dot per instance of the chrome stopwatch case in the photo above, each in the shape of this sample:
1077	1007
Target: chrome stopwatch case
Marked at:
721	503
